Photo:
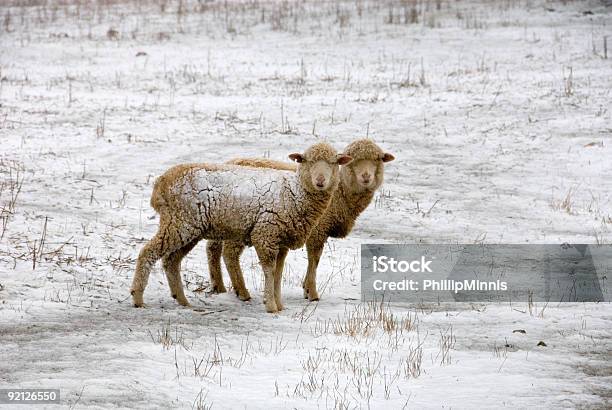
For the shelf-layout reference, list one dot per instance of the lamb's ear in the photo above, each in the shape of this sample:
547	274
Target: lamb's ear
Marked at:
343	159
299	158
386	157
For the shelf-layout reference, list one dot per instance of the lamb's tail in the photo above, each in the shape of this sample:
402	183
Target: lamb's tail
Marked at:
158	197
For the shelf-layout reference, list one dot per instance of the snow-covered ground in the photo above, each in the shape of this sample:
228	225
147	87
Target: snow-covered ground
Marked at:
499	116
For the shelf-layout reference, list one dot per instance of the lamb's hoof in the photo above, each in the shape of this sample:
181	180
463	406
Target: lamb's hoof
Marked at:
271	307
218	289
181	299
137	298
311	295
184	302
244	296
279	306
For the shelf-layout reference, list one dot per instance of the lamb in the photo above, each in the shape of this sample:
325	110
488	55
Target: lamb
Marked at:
272	211
358	182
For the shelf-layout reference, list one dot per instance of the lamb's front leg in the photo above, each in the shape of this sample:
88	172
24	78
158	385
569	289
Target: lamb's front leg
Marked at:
278	276
267	259
314	247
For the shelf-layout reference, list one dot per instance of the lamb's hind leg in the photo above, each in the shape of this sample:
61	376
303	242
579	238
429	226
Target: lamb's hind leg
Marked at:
214	249
172	267
231	257
163	243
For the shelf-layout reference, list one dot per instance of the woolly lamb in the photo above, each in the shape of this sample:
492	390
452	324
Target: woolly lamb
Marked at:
272	211
358	182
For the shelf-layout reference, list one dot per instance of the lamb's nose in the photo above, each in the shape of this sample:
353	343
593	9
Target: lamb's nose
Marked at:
320	181
366	177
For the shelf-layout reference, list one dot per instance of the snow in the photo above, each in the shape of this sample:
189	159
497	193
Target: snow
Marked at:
498	115
238	187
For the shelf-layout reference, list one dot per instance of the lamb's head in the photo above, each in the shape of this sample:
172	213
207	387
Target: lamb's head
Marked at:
318	168
366	172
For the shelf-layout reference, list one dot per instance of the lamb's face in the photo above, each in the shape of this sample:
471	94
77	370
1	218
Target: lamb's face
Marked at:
366	172
318	167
